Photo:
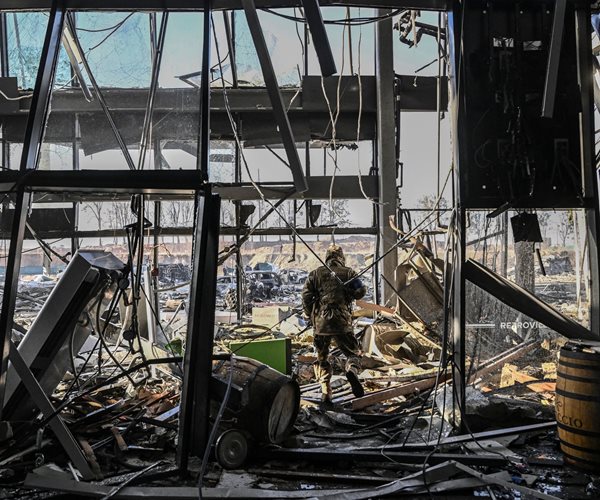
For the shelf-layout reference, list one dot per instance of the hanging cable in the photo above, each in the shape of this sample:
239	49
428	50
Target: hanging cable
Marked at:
345	22
333	121
215	427
99	30
358	121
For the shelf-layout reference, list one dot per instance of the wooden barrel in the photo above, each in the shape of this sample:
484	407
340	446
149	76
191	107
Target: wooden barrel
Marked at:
267	401
578	404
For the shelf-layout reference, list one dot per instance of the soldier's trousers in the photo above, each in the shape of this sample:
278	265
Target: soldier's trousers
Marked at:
348	344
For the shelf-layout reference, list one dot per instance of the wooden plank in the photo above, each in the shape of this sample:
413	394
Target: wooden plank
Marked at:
406	389
363	304
394	392
498	362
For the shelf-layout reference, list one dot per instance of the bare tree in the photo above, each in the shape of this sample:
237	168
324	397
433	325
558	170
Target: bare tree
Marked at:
564	227
544	221
95	208
429	202
178	214
336	212
119	216
187	213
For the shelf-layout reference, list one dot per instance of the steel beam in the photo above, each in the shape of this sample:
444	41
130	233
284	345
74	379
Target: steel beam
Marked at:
195	404
195	5
358	455
31	146
107	181
312	12
588	167
307	98
203	145
89	185
318	188
558	28
59	428
458	297
524	301
386	147
279	111
188	231
4	72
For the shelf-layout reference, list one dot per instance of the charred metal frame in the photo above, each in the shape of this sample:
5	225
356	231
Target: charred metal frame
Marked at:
202	291
195	400
31	145
387	160
194	416
463	270
375	105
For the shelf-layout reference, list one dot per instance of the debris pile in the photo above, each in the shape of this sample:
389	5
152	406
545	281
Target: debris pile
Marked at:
120	401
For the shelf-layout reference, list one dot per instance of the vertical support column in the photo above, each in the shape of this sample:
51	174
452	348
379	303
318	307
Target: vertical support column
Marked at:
31	147
3	45
195	401
458	320
202	158
157	231
230	34
588	168
4	71
386	145
454	41
239	266
76	166
240	274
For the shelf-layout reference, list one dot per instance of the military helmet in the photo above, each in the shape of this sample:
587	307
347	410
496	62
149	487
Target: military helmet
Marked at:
335	252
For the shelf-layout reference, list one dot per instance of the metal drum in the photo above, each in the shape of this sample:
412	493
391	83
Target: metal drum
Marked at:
265	402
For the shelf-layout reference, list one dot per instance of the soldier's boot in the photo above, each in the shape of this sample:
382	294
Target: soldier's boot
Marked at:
323	375
352	371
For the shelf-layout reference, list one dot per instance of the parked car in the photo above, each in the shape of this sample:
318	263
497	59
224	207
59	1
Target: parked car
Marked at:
224	283
263	285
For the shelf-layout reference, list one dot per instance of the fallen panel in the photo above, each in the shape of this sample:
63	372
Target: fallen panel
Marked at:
96	490
45	348
477	436
523	301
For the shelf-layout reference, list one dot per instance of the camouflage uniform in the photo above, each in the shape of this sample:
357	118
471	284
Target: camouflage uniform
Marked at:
328	303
